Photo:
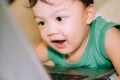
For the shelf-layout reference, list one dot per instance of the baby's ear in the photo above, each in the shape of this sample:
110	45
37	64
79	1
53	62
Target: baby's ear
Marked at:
90	13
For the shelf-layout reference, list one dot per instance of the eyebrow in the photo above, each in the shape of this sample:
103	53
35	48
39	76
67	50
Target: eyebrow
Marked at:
38	17
52	13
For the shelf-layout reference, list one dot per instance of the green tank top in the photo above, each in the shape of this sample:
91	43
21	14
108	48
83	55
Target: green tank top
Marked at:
94	55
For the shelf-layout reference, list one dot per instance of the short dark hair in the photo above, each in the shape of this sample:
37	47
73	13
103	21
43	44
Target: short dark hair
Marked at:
85	2
10	1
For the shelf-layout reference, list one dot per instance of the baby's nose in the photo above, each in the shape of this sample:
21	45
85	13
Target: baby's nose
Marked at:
52	31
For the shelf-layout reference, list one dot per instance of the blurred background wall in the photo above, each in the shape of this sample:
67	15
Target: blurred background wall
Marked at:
26	20
109	9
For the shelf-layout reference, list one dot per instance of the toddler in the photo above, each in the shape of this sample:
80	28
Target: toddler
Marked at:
73	38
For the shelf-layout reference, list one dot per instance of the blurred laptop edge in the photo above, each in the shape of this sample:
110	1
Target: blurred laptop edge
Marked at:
17	58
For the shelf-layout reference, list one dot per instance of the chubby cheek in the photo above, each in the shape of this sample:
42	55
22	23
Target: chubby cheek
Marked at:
72	31
43	35
74	34
72	37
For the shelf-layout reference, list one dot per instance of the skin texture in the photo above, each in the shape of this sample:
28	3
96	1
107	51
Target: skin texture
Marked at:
59	28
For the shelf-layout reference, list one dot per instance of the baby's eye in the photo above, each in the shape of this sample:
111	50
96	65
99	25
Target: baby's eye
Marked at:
41	23
60	18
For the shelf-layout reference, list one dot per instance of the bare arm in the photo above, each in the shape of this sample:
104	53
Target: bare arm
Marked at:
41	51
112	45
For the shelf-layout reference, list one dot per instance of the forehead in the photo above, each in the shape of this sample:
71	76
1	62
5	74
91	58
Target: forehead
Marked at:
51	4
55	2
42	8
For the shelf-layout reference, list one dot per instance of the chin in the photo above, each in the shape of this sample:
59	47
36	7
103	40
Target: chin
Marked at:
64	51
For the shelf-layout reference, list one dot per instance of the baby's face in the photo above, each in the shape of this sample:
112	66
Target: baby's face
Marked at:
62	25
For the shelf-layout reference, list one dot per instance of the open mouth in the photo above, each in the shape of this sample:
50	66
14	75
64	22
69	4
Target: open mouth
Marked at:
59	43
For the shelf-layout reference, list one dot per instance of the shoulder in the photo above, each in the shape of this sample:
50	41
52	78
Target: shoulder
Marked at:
112	39
112	45
41	51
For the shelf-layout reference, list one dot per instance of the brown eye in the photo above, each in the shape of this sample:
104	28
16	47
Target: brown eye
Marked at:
41	23
60	18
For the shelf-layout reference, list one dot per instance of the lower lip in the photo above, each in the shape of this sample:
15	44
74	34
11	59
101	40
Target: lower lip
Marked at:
60	45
